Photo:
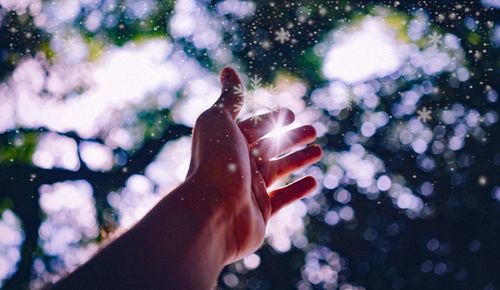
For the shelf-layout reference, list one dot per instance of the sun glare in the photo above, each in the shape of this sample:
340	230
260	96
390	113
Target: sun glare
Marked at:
278	132
280	129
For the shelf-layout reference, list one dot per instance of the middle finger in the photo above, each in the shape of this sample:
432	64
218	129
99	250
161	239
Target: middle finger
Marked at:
264	149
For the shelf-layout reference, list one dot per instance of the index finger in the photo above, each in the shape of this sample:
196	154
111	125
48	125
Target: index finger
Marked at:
256	127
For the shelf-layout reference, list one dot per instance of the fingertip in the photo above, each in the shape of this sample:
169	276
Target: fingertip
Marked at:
305	186
229	101
313	130
226	71
315	151
309	132
292	192
286	115
309	183
229	77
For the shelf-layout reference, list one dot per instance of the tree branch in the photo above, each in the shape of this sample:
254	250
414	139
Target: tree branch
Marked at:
20	183
17	175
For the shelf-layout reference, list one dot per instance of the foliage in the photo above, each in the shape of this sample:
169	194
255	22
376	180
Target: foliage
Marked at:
434	226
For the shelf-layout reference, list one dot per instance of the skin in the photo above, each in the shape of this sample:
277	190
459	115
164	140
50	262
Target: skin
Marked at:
218	215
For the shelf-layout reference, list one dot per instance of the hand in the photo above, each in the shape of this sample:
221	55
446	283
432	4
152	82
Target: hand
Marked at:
232	164
218	215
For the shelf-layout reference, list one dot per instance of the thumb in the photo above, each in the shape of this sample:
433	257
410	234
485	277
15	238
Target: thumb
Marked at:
230	99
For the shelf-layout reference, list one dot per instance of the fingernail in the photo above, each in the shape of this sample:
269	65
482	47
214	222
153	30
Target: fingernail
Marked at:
314	150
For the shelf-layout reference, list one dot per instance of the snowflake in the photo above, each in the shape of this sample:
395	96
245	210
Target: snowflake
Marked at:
435	39
282	35
256	119
231	167
424	115
249	97
240	90
351	100
255	82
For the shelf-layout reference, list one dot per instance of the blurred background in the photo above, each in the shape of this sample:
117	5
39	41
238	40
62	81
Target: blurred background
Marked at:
98	97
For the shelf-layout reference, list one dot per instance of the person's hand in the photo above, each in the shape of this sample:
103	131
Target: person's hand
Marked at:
233	166
219	214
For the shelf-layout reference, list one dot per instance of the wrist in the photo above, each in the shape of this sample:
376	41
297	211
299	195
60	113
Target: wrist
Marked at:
219	211
208	210
191	228
234	217
179	244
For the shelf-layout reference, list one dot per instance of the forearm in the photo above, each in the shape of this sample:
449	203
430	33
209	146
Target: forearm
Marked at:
177	245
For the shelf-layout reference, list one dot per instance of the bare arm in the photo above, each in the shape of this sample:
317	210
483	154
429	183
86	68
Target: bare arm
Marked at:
218	215
178	245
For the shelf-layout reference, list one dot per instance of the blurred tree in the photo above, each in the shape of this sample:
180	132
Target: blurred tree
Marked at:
450	241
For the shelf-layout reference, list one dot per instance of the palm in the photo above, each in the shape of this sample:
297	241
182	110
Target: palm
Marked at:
236	161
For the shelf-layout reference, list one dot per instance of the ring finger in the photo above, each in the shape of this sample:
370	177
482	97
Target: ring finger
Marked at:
275	169
264	149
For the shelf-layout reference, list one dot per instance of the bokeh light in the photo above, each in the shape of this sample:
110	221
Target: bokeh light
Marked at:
98	98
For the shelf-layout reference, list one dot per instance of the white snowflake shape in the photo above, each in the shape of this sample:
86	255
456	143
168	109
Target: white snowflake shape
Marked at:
352	99
248	97
255	82
435	39
256	119
282	35
424	115
240	90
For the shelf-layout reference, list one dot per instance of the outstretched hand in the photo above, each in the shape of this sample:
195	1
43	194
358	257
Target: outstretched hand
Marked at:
239	165
218	214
